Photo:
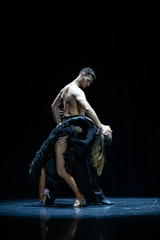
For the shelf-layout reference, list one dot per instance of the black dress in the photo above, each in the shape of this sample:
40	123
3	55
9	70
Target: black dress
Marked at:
77	158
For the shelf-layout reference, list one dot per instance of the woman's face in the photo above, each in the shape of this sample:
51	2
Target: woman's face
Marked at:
108	138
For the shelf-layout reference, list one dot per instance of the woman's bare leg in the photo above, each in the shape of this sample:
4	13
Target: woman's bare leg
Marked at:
42	184
60	148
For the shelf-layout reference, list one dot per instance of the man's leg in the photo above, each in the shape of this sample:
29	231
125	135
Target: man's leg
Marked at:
96	189
86	175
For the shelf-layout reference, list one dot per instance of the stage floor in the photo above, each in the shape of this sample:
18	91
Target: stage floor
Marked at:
128	218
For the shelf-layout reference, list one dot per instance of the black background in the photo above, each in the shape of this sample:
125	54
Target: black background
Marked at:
44	49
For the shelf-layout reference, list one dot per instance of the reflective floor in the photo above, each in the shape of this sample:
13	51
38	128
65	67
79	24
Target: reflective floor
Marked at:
128	218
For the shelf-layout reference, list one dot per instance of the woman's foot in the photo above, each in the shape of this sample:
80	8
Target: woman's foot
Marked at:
46	195
79	200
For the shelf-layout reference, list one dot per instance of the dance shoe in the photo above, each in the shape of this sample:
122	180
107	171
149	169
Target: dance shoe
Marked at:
79	200
105	201
49	198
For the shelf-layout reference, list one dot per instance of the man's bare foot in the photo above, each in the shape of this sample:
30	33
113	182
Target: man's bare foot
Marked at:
79	200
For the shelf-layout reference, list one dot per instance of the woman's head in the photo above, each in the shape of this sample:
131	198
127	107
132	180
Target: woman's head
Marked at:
107	138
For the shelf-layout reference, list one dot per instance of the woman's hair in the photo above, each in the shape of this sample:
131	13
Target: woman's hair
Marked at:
97	153
88	71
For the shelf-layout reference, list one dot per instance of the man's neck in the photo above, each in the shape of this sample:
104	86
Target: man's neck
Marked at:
77	81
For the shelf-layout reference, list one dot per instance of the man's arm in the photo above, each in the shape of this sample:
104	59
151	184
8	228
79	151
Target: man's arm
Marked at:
89	111
55	109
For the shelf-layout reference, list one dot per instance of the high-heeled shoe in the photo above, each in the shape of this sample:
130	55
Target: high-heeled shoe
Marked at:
46	194
79	200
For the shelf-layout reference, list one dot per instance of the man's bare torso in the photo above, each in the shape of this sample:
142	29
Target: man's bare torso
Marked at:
74	103
70	104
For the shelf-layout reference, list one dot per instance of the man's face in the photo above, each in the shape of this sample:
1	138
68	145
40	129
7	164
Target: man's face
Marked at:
87	80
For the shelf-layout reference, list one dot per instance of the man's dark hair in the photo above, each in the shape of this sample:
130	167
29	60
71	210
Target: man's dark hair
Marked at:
88	71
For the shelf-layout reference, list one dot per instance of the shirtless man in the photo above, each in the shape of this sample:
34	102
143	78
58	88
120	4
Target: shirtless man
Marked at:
74	103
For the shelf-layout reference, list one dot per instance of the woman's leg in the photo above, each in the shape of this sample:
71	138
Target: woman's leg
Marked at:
42	184
60	148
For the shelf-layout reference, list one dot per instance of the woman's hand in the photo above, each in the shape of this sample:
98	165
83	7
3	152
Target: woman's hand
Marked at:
62	140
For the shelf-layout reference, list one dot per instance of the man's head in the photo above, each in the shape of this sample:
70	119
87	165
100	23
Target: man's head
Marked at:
87	76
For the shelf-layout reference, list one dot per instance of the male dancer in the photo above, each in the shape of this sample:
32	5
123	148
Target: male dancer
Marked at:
74	103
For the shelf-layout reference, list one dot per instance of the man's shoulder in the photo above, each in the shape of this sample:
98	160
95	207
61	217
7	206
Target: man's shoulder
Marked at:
71	90
63	90
75	90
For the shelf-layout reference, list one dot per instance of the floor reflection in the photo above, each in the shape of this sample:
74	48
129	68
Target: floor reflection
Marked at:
126	219
96	229
66	229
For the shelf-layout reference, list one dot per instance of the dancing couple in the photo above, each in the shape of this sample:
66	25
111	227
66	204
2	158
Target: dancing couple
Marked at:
74	151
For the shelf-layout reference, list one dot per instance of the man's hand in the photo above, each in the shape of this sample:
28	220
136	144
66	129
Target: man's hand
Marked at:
61	112
99	130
